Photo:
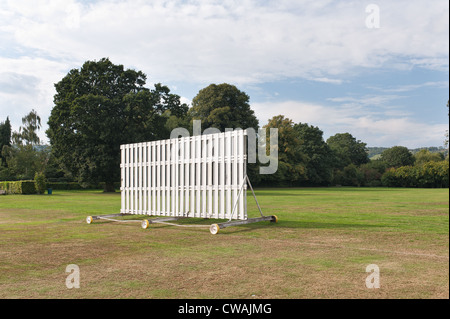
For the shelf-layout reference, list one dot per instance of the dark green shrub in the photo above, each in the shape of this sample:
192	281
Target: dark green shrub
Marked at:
40	184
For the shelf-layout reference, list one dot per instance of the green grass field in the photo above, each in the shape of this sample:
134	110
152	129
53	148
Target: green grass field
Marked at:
320	248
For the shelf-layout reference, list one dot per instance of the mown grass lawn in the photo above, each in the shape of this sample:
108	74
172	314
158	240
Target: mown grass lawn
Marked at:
320	248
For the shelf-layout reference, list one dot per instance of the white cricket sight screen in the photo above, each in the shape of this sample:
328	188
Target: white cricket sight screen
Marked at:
195	176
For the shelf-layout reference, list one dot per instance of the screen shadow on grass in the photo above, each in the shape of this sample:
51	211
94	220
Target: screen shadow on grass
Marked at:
286	224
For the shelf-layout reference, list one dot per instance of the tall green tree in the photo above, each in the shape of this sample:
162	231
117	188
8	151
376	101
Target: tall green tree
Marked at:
99	107
291	162
397	156
347	150
318	155
25	156
5	138
25	160
223	106
28	131
424	156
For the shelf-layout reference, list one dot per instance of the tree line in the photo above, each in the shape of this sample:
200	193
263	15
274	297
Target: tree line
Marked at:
102	105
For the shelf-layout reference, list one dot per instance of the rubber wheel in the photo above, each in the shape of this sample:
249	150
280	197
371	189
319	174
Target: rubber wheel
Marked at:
145	224
89	219
214	229
275	219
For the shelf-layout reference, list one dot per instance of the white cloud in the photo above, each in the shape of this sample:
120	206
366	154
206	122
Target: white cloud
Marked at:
26	84
185	100
238	42
373	105
327	80
15	83
411	87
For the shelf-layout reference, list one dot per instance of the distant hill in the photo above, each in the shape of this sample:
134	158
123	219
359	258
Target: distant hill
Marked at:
375	152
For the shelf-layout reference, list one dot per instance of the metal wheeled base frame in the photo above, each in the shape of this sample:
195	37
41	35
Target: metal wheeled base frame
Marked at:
214	228
144	222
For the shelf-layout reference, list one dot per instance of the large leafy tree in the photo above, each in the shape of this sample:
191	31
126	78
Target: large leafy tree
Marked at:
99	107
347	150
5	138
319	159
397	156
291	161
423	156
223	106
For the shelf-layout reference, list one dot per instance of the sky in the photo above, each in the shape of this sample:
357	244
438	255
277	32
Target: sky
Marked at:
376	69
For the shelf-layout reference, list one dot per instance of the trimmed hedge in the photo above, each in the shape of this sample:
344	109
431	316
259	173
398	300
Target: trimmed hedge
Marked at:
64	185
75	185
19	187
29	187
429	175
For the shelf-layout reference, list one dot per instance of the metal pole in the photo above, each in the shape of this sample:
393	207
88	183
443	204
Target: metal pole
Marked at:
237	198
254	196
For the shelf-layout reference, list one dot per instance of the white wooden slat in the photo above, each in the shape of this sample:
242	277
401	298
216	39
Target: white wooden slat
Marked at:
158	178
234	159
209	164
197	175
134	182
144	178
228	172
180	177
132	179
136	179
192	178
187	147
139	166
172	178
127	179
122	179
203	161
137	184
140	181
168	167
241	174
149	179
153	182
216	175
164	173
173	188
222	176
132	187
